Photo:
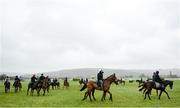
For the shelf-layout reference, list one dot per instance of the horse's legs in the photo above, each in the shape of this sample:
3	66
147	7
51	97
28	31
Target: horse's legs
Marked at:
149	94
89	93
28	90
38	91
160	94
110	98
32	91
103	96
157	92
93	94
5	89
145	94
44	91
144	91
167	94
85	95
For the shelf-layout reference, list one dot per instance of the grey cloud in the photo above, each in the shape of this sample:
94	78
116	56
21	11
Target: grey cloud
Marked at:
45	35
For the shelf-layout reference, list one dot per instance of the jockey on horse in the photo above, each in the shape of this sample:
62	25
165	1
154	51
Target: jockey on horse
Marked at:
157	80
100	78
16	81
41	78
33	80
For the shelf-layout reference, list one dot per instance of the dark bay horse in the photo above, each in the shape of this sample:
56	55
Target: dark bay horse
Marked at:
92	86
17	85
7	86
32	86
149	85
38	85
44	85
55	85
66	84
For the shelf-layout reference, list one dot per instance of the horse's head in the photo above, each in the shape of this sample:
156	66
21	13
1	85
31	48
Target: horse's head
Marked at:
168	82
171	84
114	78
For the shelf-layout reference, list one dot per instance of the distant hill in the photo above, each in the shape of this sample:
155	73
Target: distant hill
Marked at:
92	72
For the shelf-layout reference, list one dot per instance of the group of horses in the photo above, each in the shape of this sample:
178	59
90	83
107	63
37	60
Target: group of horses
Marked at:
146	86
38	86
17	86
45	86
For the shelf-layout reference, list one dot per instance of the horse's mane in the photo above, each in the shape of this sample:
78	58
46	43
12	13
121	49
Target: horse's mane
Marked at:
109	77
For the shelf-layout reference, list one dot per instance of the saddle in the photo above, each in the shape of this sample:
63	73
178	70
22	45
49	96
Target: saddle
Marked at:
158	85
99	83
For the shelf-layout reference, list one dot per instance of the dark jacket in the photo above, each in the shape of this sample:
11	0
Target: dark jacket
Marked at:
41	77
100	76
17	79
33	79
157	78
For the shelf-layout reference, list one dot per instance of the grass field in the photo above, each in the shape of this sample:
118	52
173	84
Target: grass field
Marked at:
123	96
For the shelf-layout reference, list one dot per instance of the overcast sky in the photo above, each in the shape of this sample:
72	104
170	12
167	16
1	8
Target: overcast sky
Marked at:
48	35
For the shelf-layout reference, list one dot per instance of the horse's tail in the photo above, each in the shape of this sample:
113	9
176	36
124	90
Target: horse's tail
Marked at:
141	89
84	87
141	85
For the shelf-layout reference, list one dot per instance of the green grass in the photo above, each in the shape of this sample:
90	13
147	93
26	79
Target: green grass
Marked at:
123	96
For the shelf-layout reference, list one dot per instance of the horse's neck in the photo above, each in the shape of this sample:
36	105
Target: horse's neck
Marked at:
166	83
108	80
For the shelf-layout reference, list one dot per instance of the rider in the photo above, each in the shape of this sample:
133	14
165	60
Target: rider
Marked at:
41	78
33	79
66	79
100	78
154	75
86	80
157	78
16	80
7	79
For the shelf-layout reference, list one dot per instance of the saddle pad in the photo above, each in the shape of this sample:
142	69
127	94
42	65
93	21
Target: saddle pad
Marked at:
157	85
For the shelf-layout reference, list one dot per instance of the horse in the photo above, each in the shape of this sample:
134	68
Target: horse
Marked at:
55	85
121	81
7	86
149	85
44	84
92	86
66	84
17	85
32	86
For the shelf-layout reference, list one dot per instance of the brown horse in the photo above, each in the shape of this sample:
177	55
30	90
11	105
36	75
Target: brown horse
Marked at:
66	84
17	86
43	85
149	85
92	85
